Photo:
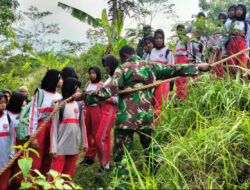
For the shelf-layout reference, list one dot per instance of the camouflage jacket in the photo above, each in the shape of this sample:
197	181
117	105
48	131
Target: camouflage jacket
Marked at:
135	109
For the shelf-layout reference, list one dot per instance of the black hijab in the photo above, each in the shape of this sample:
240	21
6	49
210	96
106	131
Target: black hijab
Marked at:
50	80
98	73
69	87
111	62
7	91
159	31
230	7
68	72
224	16
243	16
16	102
6	98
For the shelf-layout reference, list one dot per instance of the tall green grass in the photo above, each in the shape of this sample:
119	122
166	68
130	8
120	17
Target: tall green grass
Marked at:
204	141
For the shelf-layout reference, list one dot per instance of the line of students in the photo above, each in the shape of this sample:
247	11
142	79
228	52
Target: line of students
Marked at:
58	142
188	51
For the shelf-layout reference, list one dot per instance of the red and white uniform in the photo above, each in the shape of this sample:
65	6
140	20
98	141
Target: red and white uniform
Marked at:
15	122
239	40
92	120
159	56
183	54
36	119
6	141
103	134
66	137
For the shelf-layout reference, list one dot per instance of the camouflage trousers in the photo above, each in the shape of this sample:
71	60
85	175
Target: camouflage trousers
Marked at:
124	138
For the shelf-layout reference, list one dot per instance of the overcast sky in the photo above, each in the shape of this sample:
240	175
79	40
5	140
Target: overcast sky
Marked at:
72	29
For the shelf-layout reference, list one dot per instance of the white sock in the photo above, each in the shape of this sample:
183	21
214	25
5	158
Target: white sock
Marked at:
106	166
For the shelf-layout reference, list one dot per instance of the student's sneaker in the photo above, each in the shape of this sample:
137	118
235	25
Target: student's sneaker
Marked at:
87	161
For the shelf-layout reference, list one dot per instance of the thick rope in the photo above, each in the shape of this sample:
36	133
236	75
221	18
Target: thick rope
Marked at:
12	160
157	83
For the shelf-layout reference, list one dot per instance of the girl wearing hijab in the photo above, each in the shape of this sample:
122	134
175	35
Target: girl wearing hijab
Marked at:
239	32
6	141
38	115
68	131
93	115
14	107
162	55
149	43
231	12
217	45
183	54
108	108
8	93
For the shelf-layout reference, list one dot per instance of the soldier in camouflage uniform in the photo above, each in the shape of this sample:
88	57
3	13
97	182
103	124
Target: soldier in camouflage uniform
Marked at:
135	111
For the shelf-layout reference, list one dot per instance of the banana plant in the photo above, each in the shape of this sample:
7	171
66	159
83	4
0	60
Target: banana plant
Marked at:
81	15
51	61
112	30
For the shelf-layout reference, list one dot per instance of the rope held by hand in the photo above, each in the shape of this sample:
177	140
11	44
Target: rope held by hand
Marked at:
12	160
157	83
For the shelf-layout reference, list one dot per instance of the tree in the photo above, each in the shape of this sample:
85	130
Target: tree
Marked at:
36	37
214	7
7	17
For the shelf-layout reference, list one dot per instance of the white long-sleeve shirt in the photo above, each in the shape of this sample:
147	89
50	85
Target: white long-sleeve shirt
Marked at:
46	108
6	140
90	86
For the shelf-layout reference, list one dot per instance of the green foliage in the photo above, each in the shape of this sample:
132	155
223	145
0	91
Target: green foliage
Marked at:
203	141
50	61
81	15
7	17
58	181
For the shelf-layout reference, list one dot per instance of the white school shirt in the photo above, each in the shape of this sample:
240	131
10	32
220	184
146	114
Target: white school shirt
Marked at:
159	55
90	86
6	140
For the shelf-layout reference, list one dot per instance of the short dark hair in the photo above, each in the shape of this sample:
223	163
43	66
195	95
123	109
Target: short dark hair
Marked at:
126	50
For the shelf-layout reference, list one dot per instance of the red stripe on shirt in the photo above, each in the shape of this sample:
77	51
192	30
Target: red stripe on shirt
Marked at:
32	115
178	50
52	133
46	110
70	120
84	128
4	134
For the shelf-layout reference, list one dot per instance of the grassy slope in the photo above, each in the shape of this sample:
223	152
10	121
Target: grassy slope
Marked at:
204	142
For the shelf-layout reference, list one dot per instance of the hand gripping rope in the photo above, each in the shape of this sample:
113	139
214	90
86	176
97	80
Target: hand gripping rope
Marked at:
157	83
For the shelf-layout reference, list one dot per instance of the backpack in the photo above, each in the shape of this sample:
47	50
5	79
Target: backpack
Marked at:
63	107
22	130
